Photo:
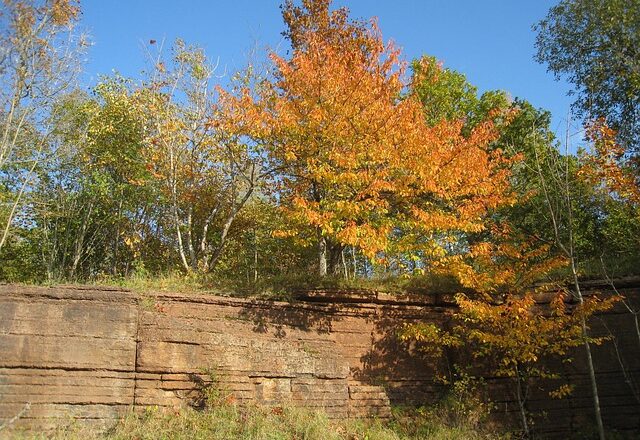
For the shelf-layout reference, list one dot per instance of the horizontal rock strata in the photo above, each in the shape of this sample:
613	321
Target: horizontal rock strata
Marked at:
88	353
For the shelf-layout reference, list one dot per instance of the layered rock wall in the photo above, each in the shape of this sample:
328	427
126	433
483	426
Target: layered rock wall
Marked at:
93	353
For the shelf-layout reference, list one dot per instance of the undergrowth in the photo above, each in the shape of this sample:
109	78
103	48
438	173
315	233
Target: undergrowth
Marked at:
274	287
452	419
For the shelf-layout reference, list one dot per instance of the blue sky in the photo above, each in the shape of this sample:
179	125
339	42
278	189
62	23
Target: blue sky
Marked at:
490	41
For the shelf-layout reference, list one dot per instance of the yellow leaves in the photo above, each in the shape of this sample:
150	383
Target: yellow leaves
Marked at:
279	233
133	243
64	11
24	20
290	156
562	391
520	333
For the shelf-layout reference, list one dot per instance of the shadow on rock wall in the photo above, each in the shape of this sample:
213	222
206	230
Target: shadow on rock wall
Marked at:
267	317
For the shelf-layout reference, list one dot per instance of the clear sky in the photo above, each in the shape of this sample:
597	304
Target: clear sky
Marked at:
490	41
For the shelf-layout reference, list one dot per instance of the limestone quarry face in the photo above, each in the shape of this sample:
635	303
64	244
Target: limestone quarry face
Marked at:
93	353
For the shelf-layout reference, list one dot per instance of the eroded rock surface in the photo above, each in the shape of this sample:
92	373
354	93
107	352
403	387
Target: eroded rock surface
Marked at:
93	353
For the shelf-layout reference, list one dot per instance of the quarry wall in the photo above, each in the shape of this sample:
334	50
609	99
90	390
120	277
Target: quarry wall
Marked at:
93	353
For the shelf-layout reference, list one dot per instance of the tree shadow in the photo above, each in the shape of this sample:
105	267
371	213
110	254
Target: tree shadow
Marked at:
277	317
408	375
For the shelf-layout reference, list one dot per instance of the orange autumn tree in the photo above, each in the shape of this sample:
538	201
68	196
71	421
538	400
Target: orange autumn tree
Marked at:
510	318
357	163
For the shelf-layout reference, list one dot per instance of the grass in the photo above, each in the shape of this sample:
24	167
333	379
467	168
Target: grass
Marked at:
274	287
460	416
256	423
283	287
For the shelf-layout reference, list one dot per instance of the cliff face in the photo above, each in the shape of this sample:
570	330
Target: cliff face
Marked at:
92	353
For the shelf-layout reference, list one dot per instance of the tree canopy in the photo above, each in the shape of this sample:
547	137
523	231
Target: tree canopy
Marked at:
594	44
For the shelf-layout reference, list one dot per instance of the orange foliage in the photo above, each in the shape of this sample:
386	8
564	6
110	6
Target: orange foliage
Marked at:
518	333
358	162
507	263
604	165
64	11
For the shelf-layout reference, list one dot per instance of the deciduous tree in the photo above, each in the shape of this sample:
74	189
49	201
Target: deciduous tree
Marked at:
499	321
38	64
208	174
594	45
359	165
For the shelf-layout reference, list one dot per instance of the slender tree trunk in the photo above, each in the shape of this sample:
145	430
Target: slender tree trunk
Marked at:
183	257
53	252
48	251
344	265
79	248
12	213
246	260
173	185
587	349
521	405
322	256
255	257
176	221
192	251
62	265
568	248
227	226
355	262
116	238
204	251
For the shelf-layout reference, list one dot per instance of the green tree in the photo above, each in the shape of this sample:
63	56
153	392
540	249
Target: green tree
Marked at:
595	45
93	202
445	94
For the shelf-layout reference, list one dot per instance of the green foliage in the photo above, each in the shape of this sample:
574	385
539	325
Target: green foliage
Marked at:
444	93
447	95
621	230
89	202
604	229
594	45
20	258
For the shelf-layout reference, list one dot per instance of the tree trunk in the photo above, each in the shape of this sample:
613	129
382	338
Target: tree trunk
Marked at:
79	248
255	257
563	188
192	252
116	238
227	226
334	258
322	256
355	262
15	204
176	221
587	349
344	265
521	405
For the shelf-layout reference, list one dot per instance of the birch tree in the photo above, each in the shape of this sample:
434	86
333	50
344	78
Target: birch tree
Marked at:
39	61
208	176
